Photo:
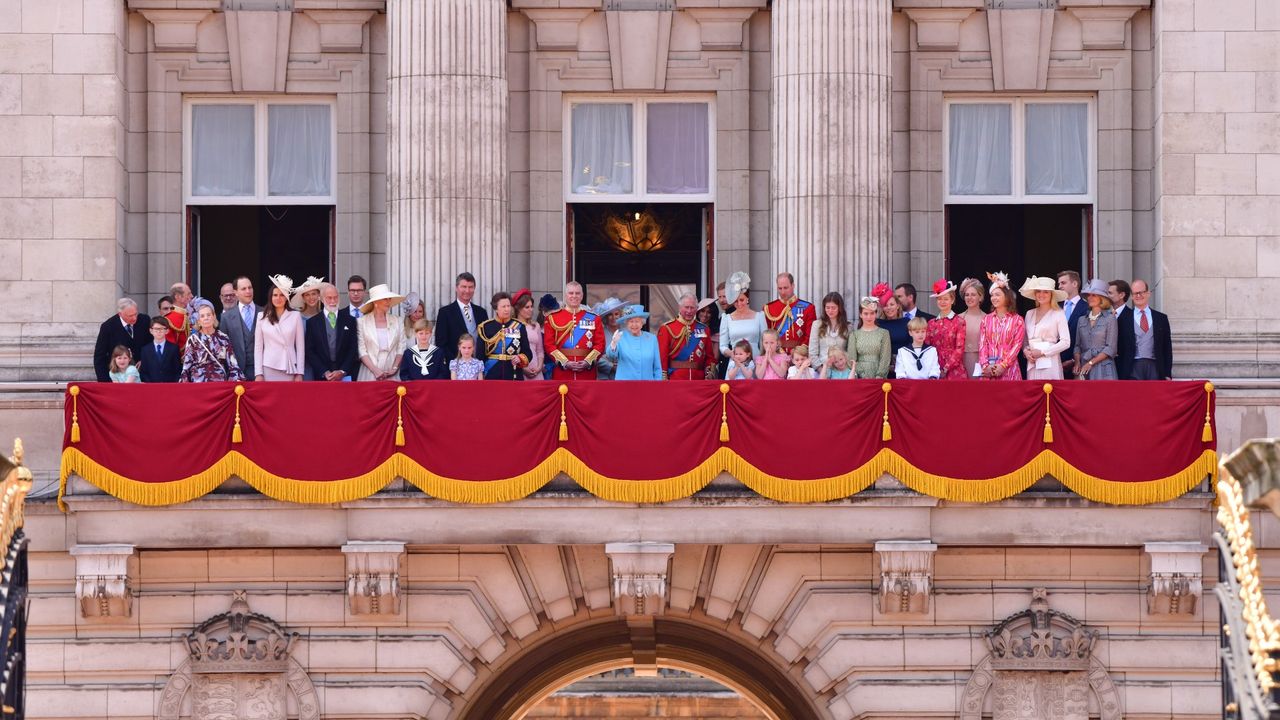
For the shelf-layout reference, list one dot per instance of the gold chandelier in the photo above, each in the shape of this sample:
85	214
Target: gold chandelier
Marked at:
635	232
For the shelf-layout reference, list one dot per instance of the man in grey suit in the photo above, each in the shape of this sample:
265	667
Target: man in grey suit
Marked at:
238	323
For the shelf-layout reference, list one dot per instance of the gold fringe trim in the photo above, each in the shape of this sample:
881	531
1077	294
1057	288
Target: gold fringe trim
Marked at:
636	491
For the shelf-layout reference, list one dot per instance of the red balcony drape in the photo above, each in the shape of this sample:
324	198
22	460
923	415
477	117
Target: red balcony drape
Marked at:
1117	442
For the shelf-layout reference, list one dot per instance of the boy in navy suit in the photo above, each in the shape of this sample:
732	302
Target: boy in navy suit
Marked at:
159	358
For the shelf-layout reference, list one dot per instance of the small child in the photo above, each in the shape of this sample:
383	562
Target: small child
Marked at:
772	364
917	361
159	361
121	368
466	366
740	365
802	367
837	365
422	361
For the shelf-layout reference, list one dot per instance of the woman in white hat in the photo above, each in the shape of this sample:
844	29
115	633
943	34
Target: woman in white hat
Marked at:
1097	335
742	323
1048	334
635	351
379	339
306	300
279	351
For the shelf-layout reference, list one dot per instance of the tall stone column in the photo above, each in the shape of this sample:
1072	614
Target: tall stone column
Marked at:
447	198
832	166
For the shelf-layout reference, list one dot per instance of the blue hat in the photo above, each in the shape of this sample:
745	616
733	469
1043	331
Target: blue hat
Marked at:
606	306
631	312
548	302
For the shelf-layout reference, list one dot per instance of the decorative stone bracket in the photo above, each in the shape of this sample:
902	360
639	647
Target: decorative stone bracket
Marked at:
102	580
906	575
639	573
373	576
1176	577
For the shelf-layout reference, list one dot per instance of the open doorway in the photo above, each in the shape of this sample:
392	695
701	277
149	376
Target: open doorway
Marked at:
625	693
257	240
1021	240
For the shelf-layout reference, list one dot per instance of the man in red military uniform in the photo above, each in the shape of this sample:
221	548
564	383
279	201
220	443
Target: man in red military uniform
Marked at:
179	321
574	338
789	315
684	344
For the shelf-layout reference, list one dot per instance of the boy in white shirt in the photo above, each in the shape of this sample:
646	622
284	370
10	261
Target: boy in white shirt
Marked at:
917	361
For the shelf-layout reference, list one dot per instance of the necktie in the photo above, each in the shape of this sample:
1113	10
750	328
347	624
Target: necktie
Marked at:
246	312
129	329
1146	327
333	319
466	316
355	312
159	350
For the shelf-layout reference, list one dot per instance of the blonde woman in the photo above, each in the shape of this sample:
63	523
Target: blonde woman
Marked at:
1048	334
1097	335
379	337
972	292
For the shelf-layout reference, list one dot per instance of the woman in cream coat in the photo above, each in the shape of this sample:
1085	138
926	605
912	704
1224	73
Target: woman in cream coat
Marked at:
278	349
379	336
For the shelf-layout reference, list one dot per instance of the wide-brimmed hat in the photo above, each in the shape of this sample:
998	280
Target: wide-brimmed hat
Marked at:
737	284
606	306
284	282
1035	284
378	293
942	287
312	283
632	312
706	302
1095	287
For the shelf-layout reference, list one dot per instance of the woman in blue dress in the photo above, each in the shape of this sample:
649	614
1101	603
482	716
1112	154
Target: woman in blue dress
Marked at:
634	350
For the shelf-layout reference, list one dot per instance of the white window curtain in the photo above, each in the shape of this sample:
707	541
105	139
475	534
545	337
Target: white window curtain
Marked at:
222	150
298	145
677	149
602	161
980	156
1057	148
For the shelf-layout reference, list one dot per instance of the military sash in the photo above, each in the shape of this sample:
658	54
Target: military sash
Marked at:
584	327
502	346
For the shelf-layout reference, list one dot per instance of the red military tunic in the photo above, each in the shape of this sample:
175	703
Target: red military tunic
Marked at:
179	327
574	336
793	320
685	349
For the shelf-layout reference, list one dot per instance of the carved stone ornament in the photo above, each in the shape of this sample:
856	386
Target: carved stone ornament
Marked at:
373	577
102	580
639	576
239	667
906	576
1176	577
1040	667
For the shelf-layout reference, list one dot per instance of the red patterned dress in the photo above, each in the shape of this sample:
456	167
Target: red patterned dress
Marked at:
946	335
1001	337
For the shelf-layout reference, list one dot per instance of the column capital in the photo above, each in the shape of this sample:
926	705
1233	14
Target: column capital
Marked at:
373	576
906	575
102	579
639	571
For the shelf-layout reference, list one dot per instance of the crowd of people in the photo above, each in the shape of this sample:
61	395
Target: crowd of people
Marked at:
1074	330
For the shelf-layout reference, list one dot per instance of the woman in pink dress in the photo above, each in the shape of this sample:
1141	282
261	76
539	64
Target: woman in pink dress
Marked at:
1047	332
1002	334
523	302
946	332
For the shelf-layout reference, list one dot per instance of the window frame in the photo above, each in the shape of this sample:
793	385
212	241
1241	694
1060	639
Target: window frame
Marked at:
261	194
639	148
1017	155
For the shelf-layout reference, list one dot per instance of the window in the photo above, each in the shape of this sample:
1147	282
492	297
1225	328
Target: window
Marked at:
278	151
1016	150
639	149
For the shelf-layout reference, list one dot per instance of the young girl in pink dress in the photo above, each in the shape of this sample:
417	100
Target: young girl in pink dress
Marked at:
773	364
1002	333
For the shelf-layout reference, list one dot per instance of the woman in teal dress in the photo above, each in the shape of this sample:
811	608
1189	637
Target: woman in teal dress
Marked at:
634	350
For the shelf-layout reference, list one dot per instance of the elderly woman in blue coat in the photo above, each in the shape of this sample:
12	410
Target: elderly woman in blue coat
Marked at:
634	350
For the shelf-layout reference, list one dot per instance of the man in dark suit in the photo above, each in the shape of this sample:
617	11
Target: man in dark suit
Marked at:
238	323
1074	307
357	290
123	328
1145	343
906	296
159	361
331	340
458	317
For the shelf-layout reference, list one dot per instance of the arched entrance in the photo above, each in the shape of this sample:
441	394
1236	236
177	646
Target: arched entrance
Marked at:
578	653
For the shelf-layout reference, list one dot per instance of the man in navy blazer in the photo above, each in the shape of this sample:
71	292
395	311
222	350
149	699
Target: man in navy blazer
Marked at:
330	338
1074	307
159	358
1145	341
458	317
127	327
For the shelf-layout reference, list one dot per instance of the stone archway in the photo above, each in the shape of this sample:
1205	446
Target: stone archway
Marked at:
564	657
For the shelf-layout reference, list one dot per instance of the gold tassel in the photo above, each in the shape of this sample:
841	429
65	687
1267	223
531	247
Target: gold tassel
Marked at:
237	436
564	426
400	393
724	412
886	433
1205	436
75	415
1048	429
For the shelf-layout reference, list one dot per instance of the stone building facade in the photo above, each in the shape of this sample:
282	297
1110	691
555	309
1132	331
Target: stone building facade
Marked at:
446	130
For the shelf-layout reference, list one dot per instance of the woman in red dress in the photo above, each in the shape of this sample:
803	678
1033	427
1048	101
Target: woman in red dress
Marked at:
1002	333
946	332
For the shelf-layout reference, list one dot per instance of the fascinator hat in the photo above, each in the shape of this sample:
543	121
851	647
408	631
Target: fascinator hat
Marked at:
312	283
411	302
942	287
737	284
1035	284
972	283
998	279
284	282
198	302
882	292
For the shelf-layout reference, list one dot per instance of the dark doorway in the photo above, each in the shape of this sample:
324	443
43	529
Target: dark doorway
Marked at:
257	240
641	253
1021	240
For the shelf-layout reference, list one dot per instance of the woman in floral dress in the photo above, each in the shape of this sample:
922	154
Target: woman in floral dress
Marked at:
947	332
1002	333
208	356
